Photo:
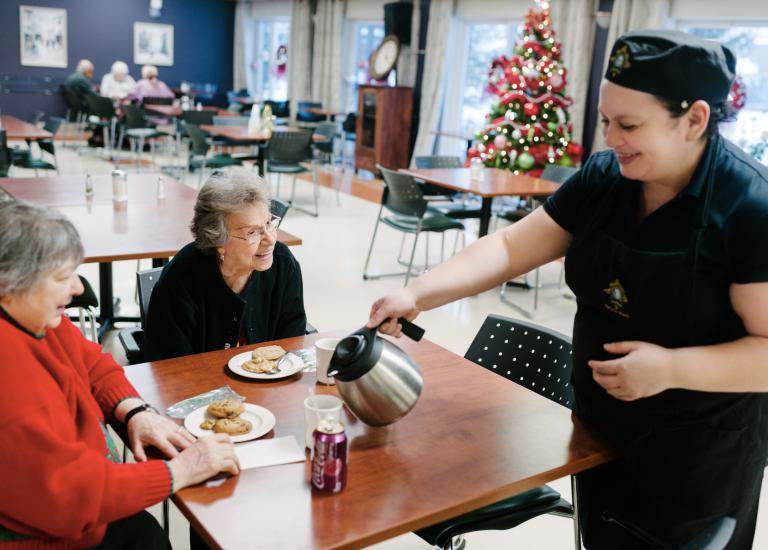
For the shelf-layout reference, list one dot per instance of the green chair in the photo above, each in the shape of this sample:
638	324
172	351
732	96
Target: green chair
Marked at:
548	373
198	154
457	205
52	125
404	198
286	152
139	131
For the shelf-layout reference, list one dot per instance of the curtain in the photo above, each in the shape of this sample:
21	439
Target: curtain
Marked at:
432	87
630	15
574	25
300	53
238	56
326	53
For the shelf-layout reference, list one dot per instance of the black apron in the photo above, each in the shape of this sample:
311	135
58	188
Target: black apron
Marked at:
688	457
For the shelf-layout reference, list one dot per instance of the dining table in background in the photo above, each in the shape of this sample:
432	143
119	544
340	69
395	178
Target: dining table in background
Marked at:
472	439
492	183
327	113
143	227
175	111
16	129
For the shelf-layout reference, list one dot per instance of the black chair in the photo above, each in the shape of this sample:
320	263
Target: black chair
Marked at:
716	536
104	110
139	131
52	125
279	208
404	198
305	118
198	154
198	118
157	100
286	152
5	154
86	303
459	205
132	339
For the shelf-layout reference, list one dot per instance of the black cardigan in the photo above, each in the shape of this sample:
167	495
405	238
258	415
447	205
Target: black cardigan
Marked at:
192	310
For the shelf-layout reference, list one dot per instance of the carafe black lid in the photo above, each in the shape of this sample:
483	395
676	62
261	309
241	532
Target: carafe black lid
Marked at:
355	355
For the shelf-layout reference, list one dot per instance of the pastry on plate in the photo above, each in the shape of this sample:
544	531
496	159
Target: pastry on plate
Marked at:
260	365
226	408
270	353
232	426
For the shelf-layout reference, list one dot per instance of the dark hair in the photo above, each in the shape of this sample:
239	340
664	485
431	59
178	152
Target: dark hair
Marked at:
718	113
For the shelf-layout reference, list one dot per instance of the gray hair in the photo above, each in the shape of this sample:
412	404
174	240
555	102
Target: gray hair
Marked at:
84	65
119	67
34	241
225	192
148	72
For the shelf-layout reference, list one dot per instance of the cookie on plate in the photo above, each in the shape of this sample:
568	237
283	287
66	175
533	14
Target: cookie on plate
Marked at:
232	426
270	353
226	408
207	424
260	365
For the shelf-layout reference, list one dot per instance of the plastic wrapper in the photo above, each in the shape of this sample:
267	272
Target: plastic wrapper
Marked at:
183	408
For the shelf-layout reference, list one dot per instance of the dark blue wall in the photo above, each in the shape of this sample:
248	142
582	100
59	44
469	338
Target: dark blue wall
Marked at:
102	31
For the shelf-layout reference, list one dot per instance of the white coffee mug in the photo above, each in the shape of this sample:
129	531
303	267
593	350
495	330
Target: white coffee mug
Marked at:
324	348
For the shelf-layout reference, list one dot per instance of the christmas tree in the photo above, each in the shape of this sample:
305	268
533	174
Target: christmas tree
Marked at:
529	127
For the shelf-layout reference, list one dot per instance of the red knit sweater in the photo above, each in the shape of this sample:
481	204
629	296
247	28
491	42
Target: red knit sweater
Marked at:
57	484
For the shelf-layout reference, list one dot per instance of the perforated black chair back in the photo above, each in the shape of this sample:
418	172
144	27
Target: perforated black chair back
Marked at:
402	194
101	107
437	161
74	107
533	356
146	281
53	124
326	129
198	117
289	147
555	172
280	109
157	101
279	208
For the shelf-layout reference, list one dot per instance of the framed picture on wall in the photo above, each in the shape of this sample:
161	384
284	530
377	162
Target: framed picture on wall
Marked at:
152	44
43	36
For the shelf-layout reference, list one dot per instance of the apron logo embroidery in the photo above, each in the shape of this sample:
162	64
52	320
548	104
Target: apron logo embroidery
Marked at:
617	297
619	61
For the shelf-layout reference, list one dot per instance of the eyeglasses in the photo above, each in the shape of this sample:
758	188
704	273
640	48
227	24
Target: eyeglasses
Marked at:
256	234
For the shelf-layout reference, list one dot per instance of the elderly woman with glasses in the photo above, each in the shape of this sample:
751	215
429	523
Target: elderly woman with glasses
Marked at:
235	284
63	483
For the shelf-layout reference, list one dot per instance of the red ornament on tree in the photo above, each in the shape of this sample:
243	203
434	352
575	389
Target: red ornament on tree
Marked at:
530	109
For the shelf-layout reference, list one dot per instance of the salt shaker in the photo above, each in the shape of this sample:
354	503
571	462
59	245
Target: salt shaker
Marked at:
160	188
119	186
88	186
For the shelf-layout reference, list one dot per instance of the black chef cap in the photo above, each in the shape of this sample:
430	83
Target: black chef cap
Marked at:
673	65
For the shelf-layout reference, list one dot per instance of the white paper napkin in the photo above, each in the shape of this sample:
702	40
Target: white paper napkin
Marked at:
269	452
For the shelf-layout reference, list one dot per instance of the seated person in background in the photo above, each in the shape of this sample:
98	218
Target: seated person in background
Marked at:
80	81
235	284
63	485
117	83
149	85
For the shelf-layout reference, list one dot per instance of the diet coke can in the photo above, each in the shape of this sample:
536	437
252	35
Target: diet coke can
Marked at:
329	458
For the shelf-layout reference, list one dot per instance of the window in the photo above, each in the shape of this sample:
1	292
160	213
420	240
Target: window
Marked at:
267	58
363	37
474	46
750	44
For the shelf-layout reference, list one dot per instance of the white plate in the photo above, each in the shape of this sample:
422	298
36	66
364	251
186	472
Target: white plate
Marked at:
290	366
262	420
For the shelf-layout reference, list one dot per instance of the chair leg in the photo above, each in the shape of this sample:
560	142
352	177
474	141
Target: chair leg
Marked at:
575	501
442	247
370	248
413	253
277	188
293	191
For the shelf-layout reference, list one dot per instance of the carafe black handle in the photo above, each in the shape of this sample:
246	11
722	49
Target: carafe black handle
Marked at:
411	330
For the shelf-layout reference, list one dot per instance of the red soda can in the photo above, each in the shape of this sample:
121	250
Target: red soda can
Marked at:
329	458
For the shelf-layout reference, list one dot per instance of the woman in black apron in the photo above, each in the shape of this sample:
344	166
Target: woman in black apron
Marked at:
664	239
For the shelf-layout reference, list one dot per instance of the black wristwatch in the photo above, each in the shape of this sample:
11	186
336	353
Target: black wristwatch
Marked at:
136	410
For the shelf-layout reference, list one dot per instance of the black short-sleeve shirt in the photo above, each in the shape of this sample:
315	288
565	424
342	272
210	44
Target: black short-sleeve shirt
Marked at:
734	246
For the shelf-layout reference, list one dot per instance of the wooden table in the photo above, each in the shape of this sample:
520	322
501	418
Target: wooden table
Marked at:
472	439
143	227
494	183
176	111
324	112
18	129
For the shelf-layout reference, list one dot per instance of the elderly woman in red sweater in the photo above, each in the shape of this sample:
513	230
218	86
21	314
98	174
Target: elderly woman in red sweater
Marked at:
63	485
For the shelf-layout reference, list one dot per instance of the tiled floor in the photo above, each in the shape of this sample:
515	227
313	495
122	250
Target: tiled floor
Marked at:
332	256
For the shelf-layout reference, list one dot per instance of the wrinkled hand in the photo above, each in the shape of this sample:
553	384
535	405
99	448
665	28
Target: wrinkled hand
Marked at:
644	370
205	458
148	428
388	308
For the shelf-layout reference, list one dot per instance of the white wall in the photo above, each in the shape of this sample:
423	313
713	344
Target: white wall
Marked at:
719	9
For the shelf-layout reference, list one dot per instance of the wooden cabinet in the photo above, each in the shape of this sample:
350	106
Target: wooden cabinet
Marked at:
383	127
